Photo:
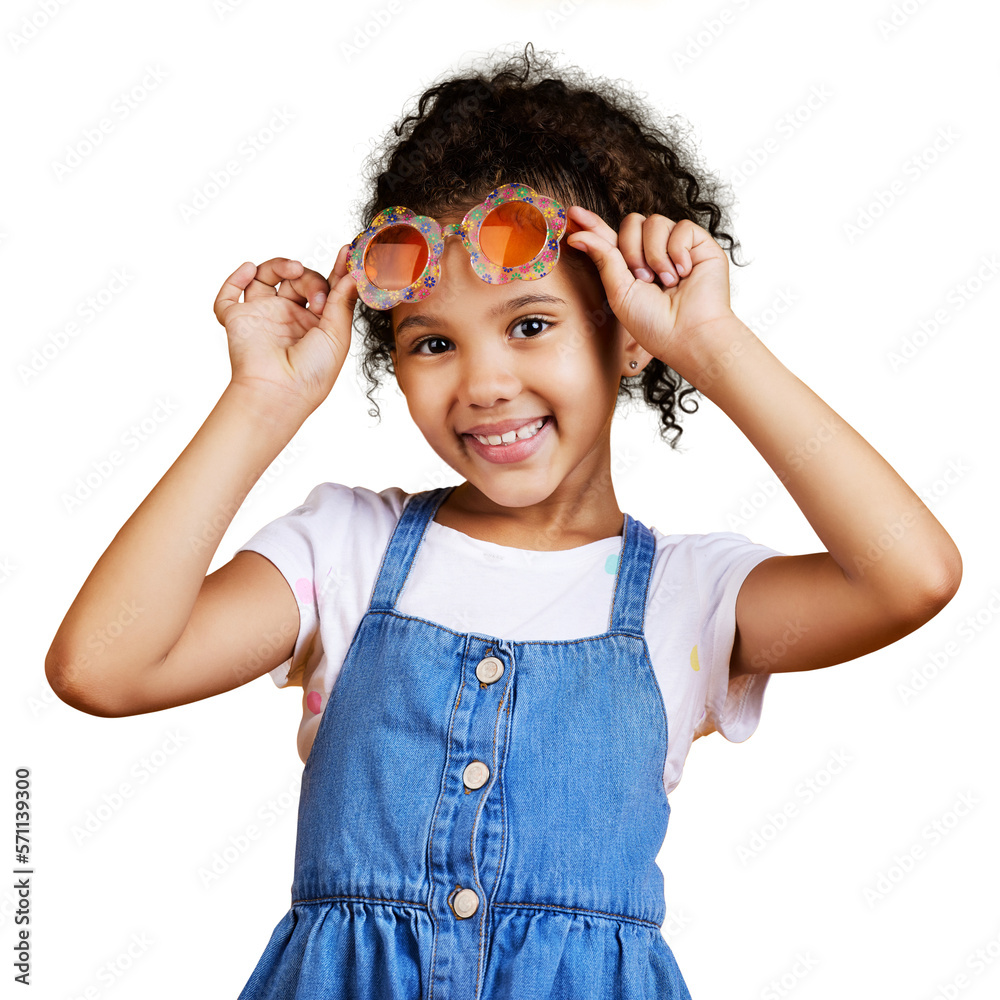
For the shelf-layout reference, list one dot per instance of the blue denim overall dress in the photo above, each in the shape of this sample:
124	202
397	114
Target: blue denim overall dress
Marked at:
480	818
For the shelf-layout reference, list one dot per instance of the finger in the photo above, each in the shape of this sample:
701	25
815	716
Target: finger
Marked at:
232	288
312	287
630	243
656	239
584	220
690	244
343	295
616	276
270	273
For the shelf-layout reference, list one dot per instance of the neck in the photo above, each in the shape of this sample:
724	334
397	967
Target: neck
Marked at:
564	521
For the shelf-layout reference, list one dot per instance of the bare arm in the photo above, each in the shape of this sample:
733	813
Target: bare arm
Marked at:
148	630
889	566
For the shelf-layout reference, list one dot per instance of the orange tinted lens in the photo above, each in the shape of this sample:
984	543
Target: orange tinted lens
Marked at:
396	257
513	233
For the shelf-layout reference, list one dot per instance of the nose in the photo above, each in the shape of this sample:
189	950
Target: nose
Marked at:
489	375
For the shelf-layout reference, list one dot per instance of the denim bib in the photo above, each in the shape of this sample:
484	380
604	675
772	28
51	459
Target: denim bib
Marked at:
479	817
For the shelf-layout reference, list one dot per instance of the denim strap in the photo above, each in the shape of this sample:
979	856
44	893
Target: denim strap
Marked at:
401	552
635	566
635	562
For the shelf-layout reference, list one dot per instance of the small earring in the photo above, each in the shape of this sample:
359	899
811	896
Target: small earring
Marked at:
633	364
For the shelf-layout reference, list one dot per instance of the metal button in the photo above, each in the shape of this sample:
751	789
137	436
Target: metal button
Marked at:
489	670
463	903
476	774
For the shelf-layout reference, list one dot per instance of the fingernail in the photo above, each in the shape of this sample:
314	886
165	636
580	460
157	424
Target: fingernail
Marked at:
644	273
666	277
318	299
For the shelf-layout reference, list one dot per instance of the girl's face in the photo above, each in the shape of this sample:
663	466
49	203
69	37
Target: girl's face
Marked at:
474	359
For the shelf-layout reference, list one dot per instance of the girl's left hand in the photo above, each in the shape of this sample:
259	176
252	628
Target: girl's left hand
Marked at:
693	287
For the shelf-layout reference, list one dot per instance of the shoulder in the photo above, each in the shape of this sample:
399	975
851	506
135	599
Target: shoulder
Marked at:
331	500
706	556
332	518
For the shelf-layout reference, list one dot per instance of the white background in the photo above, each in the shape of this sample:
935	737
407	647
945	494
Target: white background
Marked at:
121	910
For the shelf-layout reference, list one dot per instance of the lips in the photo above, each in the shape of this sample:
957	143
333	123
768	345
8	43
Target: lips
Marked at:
515	423
516	451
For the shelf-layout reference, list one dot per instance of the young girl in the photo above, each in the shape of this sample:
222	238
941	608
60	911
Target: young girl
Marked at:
502	678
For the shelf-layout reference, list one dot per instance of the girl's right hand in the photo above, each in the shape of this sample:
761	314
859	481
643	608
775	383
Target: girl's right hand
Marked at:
277	345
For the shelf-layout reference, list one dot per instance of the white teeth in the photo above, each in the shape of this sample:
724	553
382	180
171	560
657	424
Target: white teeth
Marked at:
521	434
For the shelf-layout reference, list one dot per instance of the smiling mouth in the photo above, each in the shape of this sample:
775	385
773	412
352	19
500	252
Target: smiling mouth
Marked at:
529	430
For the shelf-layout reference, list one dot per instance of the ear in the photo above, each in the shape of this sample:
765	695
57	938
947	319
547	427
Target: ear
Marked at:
631	350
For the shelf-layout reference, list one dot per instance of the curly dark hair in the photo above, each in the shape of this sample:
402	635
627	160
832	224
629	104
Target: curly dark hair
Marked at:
584	141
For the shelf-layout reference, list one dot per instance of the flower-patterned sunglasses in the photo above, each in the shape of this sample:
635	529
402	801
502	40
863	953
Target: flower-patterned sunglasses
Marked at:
513	235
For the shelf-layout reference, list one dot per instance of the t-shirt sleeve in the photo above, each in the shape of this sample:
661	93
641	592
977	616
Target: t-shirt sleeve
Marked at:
690	630
293	543
732	707
328	550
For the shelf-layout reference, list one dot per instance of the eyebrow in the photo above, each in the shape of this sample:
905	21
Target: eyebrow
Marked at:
419	320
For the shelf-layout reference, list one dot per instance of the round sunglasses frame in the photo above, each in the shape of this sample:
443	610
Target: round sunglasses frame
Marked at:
434	235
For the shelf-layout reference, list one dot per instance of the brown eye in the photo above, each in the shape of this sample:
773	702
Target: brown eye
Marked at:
435	347
535	321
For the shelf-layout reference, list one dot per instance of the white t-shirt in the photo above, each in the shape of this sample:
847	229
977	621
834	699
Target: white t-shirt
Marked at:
329	550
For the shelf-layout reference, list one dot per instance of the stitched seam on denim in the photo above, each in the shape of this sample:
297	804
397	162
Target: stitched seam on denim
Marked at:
397	530
359	899
427	513
663	712
430	837
618	573
496	781
577	909
649	575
